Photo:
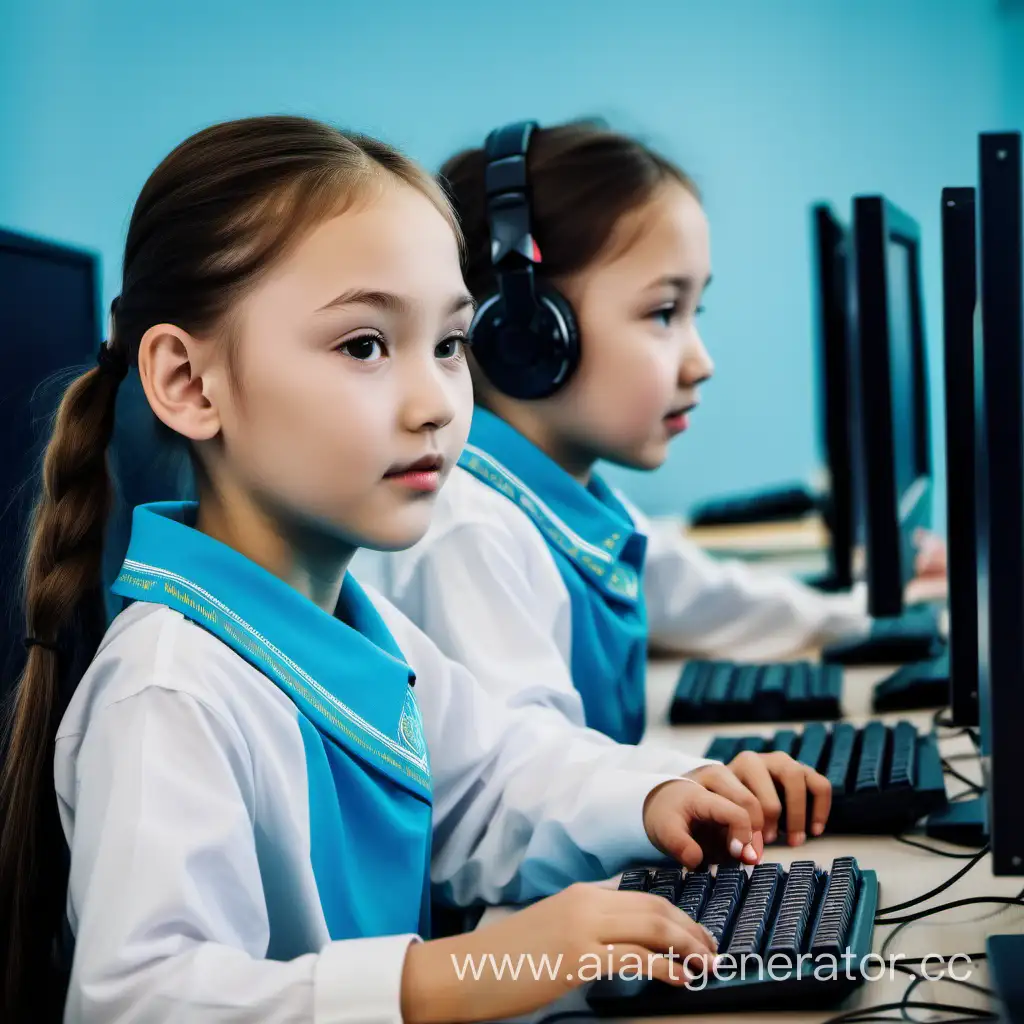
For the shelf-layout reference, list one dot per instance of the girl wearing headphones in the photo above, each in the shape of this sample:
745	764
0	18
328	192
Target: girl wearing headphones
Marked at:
548	585
253	799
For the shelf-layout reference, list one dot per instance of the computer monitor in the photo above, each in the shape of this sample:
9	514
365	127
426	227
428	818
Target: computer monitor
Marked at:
959	300
49	323
999	415
836	405
893	395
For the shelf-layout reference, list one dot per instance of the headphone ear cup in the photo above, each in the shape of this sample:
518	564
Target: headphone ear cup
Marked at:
527	362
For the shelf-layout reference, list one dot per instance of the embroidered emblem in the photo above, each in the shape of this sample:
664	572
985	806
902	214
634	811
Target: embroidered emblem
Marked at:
410	727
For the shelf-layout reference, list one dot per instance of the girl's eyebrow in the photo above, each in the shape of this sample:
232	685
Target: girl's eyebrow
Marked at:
390	302
684	285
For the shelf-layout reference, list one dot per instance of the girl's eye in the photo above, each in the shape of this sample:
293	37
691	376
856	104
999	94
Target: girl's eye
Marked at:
367	348
666	314
451	347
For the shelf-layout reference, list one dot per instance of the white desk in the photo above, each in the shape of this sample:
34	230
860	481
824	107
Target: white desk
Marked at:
903	871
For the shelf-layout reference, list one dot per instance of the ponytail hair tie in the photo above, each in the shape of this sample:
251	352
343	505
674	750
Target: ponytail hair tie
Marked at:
113	360
31	641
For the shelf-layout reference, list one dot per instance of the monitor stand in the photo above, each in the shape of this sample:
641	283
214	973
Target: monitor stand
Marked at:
1005	954
922	684
913	636
828	583
961	823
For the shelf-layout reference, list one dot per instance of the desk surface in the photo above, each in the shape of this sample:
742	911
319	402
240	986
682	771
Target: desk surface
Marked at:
807	535
904	872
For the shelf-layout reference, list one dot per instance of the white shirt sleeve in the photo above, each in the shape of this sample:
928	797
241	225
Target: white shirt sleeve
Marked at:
724	609
165	892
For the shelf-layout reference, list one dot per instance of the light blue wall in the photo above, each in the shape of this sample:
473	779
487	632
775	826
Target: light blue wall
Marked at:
769	105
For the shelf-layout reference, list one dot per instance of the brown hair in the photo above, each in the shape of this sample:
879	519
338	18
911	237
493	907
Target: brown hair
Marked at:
220	210
583	178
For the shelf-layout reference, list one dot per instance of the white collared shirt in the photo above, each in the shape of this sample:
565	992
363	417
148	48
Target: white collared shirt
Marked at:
484	585
181	781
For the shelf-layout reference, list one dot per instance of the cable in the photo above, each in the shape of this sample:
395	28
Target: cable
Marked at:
970	901
965	756
855	1016
917	961
964	794
574	1015
939	888
935	849
950	770
920	979
941	908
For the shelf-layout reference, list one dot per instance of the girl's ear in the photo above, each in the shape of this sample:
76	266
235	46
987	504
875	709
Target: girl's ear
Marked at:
170	369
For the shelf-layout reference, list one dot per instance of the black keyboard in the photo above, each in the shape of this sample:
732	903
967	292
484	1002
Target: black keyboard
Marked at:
913	636
884	779
783	503
794	921
720	691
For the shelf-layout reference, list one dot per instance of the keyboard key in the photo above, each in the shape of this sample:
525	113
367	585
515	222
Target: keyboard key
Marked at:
773	681
812	745
752	922
666	892
723	748
745	687
904	749
827	683
790	929
785	742
798	682
843	736
670	878
833	924
635	880
721	906
694	895
758	744
689	691
874	737
720	683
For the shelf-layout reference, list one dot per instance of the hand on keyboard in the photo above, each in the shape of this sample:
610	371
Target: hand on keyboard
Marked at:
754	780
930	560
584	929
693	825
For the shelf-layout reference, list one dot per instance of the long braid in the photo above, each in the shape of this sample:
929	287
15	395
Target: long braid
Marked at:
62	575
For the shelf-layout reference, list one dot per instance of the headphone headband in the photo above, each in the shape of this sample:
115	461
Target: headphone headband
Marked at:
525	336
508	203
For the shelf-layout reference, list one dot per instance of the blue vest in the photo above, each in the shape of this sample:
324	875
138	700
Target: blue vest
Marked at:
600	557
367	767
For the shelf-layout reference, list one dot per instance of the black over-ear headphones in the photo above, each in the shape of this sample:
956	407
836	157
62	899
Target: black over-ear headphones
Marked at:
525	336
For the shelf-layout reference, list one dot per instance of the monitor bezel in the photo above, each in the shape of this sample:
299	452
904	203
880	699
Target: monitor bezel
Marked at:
1000	390
959	299
888	529
831	241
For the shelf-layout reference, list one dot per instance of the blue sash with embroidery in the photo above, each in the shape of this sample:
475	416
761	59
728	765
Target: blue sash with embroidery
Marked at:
600	558
367	766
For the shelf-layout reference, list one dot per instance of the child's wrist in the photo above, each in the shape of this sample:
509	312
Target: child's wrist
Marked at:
430	989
